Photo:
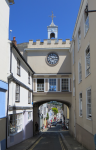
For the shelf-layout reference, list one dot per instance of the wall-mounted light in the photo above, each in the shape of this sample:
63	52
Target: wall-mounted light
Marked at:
88	11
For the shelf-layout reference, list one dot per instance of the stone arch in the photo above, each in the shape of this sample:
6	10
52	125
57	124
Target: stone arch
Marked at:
48	100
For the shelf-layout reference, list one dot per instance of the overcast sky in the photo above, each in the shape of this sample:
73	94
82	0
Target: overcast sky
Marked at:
29	18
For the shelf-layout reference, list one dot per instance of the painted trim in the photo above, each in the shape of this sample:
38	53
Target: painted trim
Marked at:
18	108
54	48
37	74
20	83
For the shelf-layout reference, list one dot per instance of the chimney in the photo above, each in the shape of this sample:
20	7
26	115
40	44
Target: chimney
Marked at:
14	41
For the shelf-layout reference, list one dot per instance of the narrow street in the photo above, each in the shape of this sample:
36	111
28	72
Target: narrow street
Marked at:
50	140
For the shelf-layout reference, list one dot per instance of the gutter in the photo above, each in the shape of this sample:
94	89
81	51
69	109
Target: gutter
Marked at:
13	45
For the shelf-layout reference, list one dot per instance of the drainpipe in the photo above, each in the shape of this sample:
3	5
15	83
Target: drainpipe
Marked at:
32	102
9	77
75	85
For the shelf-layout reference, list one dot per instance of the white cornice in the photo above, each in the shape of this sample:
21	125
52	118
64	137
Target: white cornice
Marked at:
51	74
55	48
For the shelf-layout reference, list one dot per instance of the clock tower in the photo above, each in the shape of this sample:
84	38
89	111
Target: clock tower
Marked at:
52	29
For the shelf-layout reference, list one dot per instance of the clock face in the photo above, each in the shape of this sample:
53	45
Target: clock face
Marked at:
52	58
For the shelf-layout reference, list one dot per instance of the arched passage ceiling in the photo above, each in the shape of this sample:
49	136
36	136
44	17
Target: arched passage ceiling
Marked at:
41	98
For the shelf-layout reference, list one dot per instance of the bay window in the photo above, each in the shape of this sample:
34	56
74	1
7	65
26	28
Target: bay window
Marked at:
15	123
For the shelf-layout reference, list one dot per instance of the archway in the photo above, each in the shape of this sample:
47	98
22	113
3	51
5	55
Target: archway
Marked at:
41	102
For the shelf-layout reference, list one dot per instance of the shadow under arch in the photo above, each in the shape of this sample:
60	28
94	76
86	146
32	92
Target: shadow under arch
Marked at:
47	100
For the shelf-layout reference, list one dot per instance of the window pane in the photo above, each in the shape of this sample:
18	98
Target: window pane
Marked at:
65	86
52	84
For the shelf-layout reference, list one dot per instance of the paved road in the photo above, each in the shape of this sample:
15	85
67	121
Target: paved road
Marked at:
49	140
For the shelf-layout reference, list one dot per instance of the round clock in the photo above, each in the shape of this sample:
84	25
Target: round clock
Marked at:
52	59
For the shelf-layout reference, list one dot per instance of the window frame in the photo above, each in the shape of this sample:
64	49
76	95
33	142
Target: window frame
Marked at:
30	116
79	72
29	98
85	20
80	99
89	118
86	75
53	85
17	93
68	85
41	84
79	38
15	120
28	77
18	67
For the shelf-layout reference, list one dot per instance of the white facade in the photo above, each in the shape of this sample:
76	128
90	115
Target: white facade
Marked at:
20	102
4	35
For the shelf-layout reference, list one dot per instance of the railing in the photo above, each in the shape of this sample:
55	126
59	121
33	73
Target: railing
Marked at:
40	87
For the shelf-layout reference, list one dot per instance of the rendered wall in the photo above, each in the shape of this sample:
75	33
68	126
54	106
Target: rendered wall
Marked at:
85	128
25	133
4	45
39	59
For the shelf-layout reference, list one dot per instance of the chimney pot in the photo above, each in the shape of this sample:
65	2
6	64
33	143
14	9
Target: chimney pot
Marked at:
14	41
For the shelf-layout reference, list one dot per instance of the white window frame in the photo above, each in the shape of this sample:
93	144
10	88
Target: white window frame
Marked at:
89	116
88	47
80	100
29	112
37	85
49	85
18	66
15	120
28	77
29	97
17	92
86	20
79	72
68	85
79	38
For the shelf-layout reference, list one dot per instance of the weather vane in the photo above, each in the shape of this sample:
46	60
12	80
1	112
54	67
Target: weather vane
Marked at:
52	16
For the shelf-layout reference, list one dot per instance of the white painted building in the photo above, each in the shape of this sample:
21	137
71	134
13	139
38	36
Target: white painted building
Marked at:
20	106
4	66
4	38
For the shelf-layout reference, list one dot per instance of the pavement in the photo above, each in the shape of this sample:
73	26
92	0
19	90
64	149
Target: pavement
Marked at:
26	144
58	138
70	143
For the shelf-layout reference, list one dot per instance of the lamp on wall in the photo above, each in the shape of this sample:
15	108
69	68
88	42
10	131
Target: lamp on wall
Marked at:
88	11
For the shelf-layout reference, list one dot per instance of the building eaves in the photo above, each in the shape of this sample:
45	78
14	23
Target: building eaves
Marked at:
82	1
22	57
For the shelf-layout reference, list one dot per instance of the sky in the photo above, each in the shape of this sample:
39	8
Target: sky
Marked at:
29	19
